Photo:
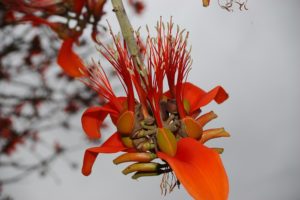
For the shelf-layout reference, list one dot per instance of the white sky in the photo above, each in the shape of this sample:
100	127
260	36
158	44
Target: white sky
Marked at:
254	55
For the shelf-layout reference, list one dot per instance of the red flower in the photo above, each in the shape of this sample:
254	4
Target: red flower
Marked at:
155	124
67	59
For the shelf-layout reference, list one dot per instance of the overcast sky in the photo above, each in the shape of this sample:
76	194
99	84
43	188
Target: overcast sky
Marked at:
254	55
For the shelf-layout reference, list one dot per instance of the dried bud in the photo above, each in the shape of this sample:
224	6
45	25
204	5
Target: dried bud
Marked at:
171	106
205	3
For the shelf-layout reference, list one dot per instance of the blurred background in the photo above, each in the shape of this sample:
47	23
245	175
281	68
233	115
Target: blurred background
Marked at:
253	54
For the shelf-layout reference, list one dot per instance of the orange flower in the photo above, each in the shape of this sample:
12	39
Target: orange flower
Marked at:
88	12
153	124
67	59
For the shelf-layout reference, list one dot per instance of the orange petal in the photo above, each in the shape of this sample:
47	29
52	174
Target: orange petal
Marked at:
68	60
199	98
199	169
111	145
92	119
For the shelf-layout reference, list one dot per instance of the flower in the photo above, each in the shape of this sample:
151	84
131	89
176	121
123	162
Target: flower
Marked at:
39	12
162	133
67	59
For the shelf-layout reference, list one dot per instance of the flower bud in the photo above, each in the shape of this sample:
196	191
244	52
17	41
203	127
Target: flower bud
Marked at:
166	141
213	133
136	157
137	175
125	123
141	167
207	117
192	128
145	146
127	141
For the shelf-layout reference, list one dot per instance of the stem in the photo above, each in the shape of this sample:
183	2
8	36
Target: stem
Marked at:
128	34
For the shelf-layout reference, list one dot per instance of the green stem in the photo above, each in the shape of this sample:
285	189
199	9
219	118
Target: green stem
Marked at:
128	34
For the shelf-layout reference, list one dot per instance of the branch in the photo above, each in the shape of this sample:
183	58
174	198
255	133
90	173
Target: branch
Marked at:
128	34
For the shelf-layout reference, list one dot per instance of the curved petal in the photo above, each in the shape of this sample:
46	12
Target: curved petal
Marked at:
111	145
199	98
199	169
69	61
92	119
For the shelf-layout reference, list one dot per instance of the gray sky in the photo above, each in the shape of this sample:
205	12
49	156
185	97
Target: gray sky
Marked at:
254	55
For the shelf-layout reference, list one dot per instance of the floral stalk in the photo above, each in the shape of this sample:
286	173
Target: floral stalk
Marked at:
128	34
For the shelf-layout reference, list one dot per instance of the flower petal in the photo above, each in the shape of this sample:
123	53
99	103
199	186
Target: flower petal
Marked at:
199	169
111	145
92	119
69	61
199	98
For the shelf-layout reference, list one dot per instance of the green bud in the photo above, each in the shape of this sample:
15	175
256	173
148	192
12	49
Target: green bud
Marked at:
166	141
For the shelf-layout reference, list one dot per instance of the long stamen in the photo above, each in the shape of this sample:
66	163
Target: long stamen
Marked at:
122	64
96	78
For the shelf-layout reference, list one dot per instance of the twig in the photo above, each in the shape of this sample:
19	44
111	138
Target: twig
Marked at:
128	34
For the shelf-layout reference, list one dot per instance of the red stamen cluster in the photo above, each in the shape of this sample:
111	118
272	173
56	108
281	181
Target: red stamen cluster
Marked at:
151	123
